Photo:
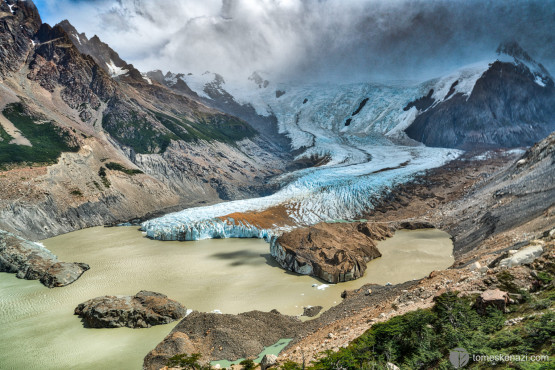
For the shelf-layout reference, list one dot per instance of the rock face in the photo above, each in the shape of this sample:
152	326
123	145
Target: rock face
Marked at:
32	261
493	297
512	104
223	337
523	191
143	310
332	252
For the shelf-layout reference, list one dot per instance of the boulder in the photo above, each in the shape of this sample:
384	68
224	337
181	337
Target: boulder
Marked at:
311	311
332	252
268	361
522	257
63	273
143	310
392	366
31	261
493	297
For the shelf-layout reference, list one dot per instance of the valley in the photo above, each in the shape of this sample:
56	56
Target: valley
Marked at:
291	216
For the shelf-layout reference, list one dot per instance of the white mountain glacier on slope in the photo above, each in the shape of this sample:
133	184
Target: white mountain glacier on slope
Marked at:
358	126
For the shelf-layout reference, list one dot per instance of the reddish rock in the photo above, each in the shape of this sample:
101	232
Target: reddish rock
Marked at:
492	297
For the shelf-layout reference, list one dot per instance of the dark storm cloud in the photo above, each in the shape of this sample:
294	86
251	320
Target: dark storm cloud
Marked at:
326	39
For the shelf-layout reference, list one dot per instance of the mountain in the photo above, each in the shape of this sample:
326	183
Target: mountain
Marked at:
102	54
511	104
84	143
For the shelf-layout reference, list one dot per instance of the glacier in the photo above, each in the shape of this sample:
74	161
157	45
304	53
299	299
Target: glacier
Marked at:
369	154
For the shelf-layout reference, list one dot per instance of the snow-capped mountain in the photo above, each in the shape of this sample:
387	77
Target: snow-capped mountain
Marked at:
510	103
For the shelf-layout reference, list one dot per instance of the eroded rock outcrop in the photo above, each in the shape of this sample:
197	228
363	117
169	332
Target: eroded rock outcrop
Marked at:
332	252
142	310
32	261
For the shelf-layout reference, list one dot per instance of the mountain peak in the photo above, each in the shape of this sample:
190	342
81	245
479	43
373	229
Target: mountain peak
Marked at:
513	49
520	56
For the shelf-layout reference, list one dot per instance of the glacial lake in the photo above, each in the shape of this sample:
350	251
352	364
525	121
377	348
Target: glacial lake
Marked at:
39	330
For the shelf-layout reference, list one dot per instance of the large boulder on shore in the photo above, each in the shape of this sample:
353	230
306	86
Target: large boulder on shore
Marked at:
143	310
493	297
333	252
522	257
31	261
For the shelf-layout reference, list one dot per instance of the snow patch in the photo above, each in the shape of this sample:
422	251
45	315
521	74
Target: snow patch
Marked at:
146	78
464	80
114	70
539	81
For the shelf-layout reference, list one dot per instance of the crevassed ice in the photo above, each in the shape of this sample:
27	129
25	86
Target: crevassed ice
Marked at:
364	162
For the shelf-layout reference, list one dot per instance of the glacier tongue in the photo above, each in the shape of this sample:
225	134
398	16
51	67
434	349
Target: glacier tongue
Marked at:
318	194
364	165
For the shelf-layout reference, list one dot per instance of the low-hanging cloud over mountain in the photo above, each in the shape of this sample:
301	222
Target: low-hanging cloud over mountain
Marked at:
313	39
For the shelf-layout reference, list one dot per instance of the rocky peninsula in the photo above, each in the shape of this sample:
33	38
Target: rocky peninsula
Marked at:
31	261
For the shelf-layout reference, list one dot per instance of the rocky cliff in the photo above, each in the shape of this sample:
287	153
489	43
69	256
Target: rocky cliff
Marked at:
512	197
223	337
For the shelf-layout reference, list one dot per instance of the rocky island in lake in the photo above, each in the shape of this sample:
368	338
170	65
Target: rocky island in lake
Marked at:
142	310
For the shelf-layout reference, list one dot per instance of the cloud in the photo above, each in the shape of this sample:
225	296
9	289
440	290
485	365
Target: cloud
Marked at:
313	39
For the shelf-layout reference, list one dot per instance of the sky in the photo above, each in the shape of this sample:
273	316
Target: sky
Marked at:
323	40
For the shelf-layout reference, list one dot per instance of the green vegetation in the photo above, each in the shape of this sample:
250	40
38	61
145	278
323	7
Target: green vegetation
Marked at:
187	362
247	364
218	127
118	167
140	134
76	193
48	140
97	185
137	133
102	174
4	137
422	339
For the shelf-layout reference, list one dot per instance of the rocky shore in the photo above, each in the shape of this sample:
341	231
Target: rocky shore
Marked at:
142	310
31	261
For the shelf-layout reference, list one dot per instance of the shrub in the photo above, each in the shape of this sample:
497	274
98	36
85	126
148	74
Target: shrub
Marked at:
118	167
187	362
247	364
